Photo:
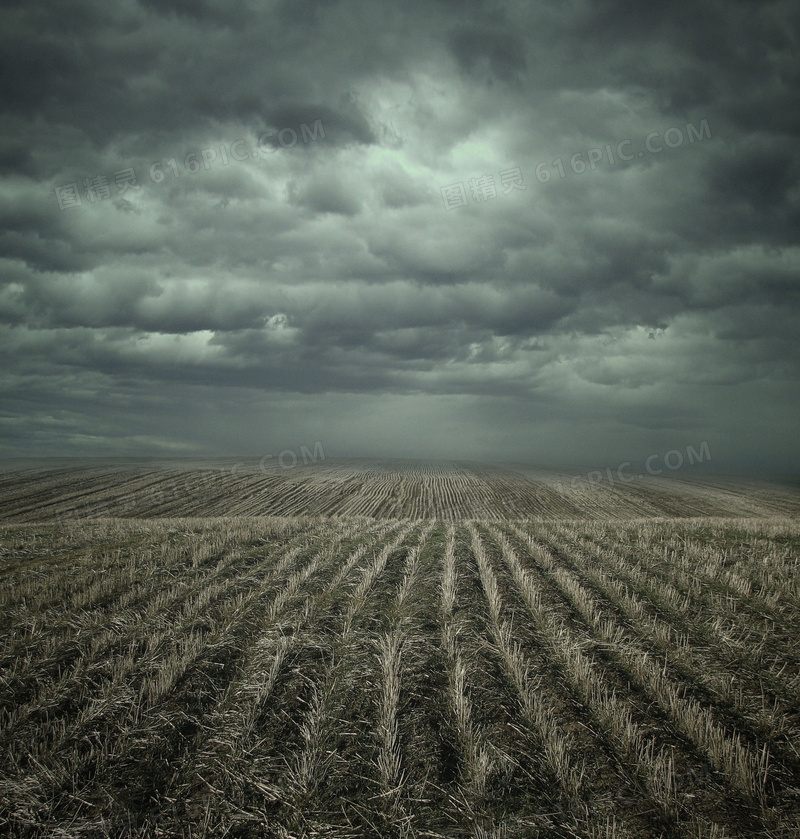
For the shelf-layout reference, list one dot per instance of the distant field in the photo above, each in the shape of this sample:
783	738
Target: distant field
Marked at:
380	489
405	651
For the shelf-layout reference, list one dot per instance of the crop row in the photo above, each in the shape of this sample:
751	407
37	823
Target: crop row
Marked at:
366	677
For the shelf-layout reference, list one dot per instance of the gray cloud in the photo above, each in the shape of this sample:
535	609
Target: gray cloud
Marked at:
617	268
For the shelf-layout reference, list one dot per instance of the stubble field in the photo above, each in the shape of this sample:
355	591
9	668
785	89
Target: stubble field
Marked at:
447	652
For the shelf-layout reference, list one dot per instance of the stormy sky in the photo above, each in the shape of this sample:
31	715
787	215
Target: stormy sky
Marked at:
558	233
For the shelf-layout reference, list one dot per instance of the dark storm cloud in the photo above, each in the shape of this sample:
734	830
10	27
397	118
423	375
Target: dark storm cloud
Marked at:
288	240
484	49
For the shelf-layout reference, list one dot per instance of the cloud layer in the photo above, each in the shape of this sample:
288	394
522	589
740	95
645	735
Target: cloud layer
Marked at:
563	233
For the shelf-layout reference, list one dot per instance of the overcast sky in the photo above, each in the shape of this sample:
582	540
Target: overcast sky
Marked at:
561	233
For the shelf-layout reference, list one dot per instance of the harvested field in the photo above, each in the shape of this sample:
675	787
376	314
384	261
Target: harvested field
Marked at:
464	674
380	489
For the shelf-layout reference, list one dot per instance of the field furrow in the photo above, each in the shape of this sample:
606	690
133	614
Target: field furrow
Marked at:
447	674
